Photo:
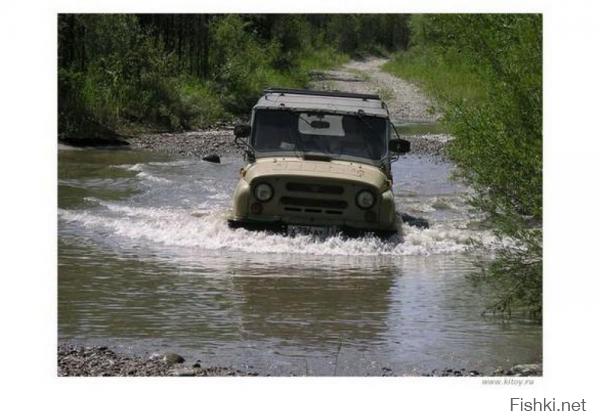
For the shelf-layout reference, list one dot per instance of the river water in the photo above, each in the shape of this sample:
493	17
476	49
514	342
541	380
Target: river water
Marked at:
147	264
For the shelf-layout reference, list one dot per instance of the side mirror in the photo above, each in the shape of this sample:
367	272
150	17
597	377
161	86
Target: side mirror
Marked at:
241	130
399	146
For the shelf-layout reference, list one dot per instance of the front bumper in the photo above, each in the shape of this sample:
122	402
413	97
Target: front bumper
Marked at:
282	228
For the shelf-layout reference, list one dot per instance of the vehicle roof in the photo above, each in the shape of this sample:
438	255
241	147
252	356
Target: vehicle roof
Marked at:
326	101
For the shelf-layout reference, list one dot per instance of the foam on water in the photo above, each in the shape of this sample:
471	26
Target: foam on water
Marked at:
148	177
176	227
141	166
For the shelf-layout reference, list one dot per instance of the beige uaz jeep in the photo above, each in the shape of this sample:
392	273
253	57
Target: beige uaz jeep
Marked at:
317	162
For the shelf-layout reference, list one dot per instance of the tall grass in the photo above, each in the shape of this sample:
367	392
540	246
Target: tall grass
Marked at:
444	76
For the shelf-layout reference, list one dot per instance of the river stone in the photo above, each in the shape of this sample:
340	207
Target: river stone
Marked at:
414	221
533	369
499	372
212	158
172	359
182	371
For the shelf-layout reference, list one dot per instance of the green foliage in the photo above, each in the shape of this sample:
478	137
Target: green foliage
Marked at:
486	71
182	71
200	105
124	77
367	34
241	72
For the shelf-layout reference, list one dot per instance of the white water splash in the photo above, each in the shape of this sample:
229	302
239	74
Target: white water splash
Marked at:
166	227
185	203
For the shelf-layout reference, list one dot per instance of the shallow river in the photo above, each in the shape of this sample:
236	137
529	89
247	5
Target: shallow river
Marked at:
147	264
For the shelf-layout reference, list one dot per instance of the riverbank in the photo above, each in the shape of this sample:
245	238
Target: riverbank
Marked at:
76	360
198	143
220	141
406	104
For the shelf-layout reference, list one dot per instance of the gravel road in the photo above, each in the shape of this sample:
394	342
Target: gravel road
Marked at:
405	101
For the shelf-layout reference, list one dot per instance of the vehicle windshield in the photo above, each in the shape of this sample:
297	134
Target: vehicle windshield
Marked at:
284	132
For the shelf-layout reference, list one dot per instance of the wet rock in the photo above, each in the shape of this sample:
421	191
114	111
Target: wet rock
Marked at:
212	157
183	371
533	369
474	373
172	359
197	364
387	372
414	221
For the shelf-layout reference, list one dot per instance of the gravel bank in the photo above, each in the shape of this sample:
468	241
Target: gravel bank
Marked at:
428	144
532	369
191	143
101	361
220	142
74	360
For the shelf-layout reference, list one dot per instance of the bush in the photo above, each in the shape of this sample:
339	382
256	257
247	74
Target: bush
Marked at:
200	105
486	71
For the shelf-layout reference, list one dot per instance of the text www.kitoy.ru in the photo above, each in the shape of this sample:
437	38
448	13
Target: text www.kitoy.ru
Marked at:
545	404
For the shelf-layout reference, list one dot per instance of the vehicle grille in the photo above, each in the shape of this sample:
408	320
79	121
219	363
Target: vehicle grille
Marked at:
314	203
314	188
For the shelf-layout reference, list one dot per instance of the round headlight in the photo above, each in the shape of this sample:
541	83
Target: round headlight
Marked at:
263	192
365	199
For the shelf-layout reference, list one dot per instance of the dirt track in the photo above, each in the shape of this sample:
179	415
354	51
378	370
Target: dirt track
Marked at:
405	101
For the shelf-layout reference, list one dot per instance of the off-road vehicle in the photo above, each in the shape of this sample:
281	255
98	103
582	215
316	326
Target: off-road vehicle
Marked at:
317	162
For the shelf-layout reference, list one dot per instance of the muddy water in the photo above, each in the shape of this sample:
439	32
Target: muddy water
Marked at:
148	264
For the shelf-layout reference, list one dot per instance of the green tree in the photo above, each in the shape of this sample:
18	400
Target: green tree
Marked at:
498	137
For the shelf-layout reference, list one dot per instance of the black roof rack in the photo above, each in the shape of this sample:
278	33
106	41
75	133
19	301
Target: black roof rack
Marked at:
337	94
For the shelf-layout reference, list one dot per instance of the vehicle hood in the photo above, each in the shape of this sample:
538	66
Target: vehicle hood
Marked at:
343	171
